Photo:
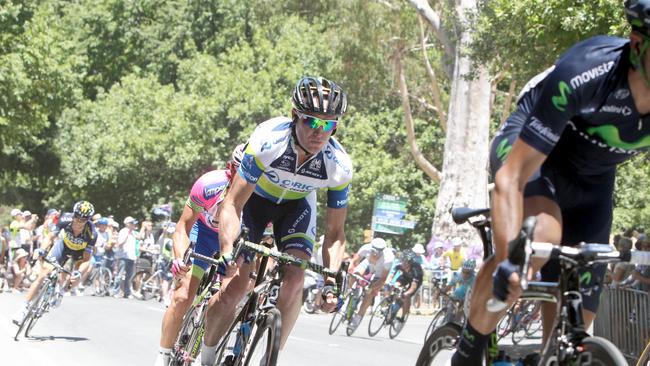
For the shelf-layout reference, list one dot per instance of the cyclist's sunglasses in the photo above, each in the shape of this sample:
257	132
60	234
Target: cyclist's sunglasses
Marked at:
79	218
315	122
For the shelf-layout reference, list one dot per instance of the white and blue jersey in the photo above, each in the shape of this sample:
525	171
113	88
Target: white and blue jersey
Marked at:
285	193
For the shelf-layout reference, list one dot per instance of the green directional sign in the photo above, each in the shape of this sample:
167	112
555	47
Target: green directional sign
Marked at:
388	215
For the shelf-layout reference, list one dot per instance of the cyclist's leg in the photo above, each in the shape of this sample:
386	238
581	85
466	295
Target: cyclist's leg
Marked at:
297	229
206	243
587	219
221	310
539	200
375	286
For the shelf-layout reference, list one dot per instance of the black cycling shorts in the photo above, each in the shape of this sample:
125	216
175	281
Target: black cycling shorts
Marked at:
585	203
294	222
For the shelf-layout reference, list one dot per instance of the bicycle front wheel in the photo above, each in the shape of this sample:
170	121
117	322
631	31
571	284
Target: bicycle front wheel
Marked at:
600	352
188	342
32	312
378	318
440	345
265	345
338	316
437	321
397	324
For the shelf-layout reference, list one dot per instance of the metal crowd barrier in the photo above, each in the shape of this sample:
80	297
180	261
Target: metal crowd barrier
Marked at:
624	318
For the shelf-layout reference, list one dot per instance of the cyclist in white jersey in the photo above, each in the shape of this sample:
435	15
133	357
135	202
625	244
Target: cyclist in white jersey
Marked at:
373	259
285	162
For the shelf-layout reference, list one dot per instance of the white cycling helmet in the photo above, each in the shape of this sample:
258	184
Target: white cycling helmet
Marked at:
378	244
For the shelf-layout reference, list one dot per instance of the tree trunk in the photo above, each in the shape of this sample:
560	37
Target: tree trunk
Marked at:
464	181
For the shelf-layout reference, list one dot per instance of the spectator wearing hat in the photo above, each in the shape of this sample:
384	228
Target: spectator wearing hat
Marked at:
126	240
20	268
418	249
455	256
44	233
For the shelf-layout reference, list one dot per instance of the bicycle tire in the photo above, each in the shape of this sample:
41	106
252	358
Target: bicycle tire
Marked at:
31	312
442	339
644	359
534	325
437	321
269	328
504	326
227	342
151	287
338	317
397	325
518	333
596	351
378	317
355	301
309	306
188	341
105	280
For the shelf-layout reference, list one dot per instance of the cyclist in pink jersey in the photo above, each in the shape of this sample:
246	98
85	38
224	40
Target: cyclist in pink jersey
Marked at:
198	223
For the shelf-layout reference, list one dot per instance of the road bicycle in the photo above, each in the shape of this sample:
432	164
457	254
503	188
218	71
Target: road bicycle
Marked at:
188	342
451	310
522	320
351	302
47	297
254	336
389	313
149	285
100	278
569	343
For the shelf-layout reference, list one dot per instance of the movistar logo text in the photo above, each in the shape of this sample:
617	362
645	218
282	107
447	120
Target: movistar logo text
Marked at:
611	135
560	101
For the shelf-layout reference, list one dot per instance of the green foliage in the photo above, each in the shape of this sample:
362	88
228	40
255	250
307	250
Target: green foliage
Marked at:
632	197
530	35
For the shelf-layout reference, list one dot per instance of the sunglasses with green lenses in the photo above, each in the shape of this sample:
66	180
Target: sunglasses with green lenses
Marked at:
315	122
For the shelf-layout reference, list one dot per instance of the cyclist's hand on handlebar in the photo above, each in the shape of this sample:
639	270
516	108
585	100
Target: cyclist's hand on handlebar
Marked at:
330	298
232	265
179	269
506	285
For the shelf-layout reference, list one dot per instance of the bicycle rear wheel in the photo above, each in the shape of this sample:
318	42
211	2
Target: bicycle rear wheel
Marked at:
265	344
504	325
440	345
378	318
601	352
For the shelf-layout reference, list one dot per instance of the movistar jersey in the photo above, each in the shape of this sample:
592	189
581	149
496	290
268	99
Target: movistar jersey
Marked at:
270	161
580	112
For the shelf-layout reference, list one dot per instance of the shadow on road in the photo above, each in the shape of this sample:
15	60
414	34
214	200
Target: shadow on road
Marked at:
56	338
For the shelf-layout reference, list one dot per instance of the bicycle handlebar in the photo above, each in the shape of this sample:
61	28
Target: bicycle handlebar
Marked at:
522	250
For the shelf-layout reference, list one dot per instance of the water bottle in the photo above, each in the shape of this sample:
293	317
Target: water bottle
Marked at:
244	330
502	359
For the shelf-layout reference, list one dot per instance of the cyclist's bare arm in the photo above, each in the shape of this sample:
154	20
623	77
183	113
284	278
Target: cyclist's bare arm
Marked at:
184	225
230	210
412	287
334	241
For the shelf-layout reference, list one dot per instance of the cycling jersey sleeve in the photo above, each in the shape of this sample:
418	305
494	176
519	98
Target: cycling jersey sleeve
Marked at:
339	189
259	152
564	92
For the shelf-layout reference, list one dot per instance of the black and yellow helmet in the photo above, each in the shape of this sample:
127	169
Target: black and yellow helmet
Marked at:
83	209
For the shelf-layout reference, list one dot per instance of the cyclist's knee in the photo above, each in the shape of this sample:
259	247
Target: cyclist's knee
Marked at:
292	282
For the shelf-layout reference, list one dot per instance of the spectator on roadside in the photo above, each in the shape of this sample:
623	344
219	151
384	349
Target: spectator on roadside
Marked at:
622	270
146	237
27	231
127	242
17	223
419	251
456	255
44	233
20	268
641	274
435	251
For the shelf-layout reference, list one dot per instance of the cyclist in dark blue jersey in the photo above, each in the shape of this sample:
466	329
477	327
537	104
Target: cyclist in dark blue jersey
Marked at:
555	158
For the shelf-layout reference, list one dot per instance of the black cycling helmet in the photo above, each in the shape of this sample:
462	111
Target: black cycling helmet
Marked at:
309	87
83	209
409	256
638	14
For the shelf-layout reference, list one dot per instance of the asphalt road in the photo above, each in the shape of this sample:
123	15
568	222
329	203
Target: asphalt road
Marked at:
107	331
